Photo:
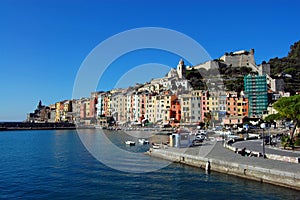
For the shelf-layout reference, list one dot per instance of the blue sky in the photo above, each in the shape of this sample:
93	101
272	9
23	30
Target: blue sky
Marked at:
43	43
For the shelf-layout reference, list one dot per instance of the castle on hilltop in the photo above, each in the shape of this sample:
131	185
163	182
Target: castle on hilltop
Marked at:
239	58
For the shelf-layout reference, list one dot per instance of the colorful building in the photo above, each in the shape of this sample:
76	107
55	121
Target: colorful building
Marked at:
191	107
204	105
213	105
100	104
236	106
59	111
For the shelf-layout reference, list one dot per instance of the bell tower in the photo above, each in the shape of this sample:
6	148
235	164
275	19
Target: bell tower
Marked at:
181	70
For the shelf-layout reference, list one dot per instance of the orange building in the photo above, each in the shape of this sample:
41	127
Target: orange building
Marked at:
236	106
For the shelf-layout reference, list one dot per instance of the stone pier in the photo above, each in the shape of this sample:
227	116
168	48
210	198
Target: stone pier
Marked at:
225	161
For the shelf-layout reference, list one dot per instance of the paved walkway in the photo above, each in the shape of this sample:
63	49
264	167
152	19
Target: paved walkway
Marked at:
256	145
221	153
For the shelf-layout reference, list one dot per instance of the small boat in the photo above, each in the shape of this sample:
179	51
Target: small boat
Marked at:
143	141
155	146
130	143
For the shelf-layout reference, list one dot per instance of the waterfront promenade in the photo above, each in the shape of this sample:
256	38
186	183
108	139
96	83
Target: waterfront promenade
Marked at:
256	145
226	161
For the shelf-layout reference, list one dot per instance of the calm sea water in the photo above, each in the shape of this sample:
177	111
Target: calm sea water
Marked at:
56	165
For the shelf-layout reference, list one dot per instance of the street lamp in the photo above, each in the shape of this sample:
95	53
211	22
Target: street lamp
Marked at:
263	126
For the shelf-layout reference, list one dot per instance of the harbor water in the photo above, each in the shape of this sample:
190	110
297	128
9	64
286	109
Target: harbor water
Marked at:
54	164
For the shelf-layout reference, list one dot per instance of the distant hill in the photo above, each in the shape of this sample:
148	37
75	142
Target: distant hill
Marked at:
288	65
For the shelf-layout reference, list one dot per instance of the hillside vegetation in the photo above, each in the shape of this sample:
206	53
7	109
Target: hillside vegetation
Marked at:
288	65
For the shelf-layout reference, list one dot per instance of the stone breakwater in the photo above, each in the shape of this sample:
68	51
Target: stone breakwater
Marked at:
267	171
12	126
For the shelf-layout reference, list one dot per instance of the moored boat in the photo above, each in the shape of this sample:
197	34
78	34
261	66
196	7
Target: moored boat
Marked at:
155	145
130	143
143	141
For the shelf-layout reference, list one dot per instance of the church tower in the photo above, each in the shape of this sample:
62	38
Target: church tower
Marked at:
181	71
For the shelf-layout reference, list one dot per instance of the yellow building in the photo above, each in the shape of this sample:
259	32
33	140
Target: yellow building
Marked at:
58	111
213	105
67	109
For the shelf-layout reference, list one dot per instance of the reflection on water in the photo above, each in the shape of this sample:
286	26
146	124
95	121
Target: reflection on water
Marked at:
109	148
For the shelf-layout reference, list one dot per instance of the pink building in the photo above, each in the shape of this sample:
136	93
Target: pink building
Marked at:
82	110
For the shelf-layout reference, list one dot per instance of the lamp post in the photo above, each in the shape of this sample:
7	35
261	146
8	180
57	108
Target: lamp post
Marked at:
263	126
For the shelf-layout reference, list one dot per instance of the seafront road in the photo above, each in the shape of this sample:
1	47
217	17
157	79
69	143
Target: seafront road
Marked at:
256	145
221	153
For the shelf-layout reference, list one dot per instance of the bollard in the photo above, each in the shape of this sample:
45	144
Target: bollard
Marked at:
207	167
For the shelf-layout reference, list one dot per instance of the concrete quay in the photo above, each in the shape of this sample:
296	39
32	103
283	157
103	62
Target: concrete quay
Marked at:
225	161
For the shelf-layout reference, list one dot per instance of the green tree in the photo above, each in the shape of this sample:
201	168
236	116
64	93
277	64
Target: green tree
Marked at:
289	107
291	71
207	119
273	117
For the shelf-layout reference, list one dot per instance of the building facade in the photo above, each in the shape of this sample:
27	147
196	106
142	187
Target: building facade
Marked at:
256	92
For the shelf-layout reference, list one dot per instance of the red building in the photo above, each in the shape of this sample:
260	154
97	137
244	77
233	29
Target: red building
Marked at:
93	108
175	112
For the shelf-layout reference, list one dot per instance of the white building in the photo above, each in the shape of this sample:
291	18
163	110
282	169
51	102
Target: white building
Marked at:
191	107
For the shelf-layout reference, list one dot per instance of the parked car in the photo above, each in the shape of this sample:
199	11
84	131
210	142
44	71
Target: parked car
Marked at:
270	140
200	137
